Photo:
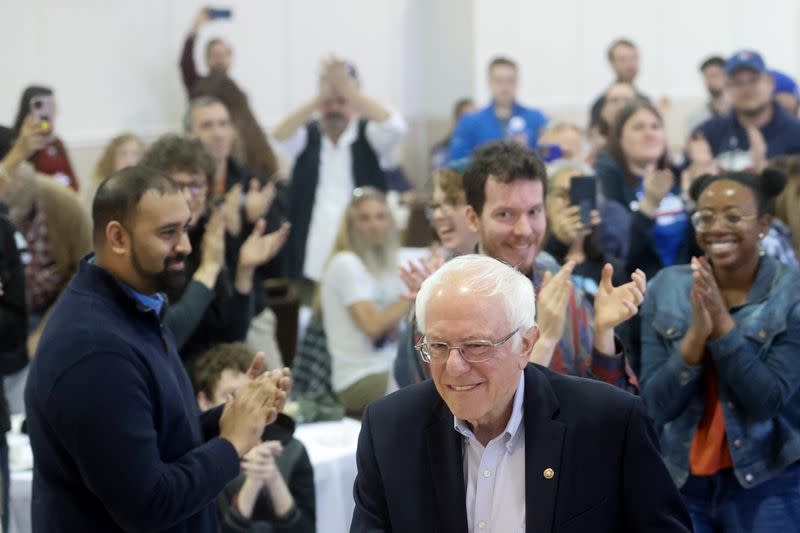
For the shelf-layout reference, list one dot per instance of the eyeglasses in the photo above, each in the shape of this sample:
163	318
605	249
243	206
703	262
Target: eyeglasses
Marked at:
475	351
446	207
195	187
705	220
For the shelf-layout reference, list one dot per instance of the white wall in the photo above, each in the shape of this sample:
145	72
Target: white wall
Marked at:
561	46
114	62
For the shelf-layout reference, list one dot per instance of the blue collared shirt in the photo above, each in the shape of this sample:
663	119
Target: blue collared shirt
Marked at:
495	475
154	302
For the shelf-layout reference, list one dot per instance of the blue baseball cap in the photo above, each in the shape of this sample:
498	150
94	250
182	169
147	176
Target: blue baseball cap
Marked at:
745	59
784	83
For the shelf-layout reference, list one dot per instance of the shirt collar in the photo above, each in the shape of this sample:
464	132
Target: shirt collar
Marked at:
514	422
764	278
143	302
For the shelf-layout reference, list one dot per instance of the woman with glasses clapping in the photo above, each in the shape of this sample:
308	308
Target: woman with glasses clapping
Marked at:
721	365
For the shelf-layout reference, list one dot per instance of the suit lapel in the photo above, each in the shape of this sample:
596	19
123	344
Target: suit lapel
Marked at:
544	440
446	466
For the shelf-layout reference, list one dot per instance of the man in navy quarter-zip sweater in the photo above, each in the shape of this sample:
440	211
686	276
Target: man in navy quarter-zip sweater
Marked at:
117	439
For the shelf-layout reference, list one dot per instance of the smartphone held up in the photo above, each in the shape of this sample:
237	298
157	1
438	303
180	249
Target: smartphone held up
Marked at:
43	110
583	193
220	13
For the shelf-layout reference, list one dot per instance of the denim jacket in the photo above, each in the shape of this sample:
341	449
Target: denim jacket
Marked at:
758	370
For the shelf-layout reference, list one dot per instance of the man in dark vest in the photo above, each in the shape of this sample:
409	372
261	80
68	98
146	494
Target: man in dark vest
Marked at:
344	148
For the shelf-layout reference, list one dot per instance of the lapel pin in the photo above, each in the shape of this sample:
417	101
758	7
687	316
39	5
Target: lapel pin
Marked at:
548	473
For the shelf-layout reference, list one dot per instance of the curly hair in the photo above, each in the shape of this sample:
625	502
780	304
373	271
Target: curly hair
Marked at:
209	367
505	162
175	153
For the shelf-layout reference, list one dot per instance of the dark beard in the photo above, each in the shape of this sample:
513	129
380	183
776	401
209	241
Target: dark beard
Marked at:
715	93
168	281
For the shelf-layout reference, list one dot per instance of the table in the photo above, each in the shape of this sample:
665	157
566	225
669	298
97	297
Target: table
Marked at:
331	447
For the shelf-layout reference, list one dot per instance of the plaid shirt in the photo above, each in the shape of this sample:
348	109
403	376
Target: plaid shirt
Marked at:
42	280
311	369
778	243
575	354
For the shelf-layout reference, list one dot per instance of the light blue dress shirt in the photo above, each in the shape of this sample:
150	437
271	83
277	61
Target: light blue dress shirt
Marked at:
495	475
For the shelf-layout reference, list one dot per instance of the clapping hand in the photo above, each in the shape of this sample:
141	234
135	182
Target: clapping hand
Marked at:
259	463
552	301
230	210
656	184
281	377
260	248
258	200
246	414
758	149
415	272
705	285
615	305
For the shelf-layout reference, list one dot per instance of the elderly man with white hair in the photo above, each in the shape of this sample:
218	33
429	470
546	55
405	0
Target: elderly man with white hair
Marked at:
495	443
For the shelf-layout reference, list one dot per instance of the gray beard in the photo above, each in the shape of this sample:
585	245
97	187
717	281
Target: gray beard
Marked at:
334	126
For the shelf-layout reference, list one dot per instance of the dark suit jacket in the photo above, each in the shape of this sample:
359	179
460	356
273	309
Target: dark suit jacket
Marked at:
597	439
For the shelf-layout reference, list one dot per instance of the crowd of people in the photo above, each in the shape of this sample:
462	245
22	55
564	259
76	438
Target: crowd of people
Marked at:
135	312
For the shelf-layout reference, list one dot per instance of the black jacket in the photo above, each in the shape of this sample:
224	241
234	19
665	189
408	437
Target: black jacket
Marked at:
13	313
118	441
598	441
200	318
295	467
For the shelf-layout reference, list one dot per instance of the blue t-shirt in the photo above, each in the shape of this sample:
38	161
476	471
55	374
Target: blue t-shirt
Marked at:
483	126
671	225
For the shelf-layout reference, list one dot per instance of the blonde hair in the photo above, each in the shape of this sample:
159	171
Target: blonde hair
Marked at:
348	239
376	259
105	165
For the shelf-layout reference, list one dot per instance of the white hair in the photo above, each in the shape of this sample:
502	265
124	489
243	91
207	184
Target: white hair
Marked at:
562	165
488	277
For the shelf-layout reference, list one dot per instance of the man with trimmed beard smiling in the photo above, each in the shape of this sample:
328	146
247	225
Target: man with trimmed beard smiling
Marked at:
505	189
216	305
117	439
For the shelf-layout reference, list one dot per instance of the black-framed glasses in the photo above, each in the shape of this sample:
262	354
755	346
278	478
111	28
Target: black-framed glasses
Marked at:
705	220
474	351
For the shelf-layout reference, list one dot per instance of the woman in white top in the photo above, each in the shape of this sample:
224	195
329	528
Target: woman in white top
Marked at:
360	298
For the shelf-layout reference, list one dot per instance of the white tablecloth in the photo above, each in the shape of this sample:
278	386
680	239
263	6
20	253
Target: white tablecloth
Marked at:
331	447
